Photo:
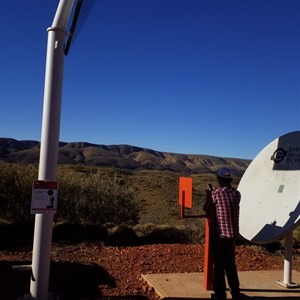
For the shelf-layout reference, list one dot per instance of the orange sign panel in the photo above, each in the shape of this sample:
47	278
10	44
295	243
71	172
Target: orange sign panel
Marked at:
185	191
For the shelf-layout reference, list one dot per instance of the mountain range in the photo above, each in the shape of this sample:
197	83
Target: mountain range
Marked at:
121	156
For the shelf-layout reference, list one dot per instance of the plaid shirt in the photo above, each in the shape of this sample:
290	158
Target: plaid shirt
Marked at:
224	217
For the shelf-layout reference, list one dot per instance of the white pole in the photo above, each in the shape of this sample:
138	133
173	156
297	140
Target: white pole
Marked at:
288	257
49	147
48	161
288	260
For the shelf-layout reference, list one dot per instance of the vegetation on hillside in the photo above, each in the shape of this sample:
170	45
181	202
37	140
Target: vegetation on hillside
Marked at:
130	203
86	196
127	207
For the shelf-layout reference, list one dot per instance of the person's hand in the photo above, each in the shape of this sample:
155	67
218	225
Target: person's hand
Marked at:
208	192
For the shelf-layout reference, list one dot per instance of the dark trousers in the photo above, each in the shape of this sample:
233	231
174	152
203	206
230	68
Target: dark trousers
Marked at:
224	263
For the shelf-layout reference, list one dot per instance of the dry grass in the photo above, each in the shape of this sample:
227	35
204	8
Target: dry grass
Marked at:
156	193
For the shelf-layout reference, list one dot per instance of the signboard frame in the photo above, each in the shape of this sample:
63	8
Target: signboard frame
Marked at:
44	197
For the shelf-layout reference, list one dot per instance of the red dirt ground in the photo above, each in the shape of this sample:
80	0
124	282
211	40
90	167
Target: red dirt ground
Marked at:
91	271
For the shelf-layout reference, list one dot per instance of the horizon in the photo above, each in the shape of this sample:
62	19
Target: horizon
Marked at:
135	146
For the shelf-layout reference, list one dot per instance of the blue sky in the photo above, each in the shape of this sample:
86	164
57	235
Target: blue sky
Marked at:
186	76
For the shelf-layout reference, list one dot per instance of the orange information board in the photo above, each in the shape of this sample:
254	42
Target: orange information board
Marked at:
185	191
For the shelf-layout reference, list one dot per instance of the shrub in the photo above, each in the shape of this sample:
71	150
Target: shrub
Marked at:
94	198
15	191
165	234
122	235
85	197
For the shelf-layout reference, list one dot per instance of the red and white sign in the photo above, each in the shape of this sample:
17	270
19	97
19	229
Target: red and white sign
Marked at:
44	196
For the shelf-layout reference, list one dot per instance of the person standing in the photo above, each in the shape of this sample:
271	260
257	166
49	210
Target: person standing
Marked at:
222	208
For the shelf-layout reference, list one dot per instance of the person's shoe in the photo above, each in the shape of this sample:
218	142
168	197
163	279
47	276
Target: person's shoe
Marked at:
214	297
235	296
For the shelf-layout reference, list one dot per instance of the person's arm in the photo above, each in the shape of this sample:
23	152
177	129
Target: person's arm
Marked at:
208	204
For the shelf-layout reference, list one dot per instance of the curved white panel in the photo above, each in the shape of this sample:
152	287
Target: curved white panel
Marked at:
270	189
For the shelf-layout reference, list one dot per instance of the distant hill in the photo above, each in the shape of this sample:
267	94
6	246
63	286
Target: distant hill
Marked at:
121	156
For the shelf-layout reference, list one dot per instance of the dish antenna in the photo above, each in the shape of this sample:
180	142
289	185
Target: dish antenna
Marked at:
270	188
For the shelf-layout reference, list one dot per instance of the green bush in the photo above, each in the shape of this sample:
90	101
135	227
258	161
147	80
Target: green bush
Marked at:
15	192
85	196
146	234
94	198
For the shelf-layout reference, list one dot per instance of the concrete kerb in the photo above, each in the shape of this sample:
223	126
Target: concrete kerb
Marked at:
254	285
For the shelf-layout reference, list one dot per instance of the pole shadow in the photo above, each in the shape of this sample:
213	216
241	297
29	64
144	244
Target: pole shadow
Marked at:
67	280
78	281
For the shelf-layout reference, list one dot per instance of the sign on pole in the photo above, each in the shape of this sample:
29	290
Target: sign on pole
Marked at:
44	196
185	191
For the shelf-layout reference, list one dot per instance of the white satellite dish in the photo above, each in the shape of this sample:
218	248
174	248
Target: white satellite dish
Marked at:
270	189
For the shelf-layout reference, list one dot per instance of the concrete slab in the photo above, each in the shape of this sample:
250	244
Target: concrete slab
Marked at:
254	285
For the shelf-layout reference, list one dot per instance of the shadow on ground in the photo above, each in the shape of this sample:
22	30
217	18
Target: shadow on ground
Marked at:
67	280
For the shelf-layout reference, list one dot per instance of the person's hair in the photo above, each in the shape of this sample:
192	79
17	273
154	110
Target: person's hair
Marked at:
224	181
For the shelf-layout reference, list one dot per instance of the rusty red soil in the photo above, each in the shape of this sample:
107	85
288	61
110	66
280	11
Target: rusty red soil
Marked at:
91	271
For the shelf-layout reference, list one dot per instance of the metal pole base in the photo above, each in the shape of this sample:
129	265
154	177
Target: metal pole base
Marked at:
291	285
288	258
50	297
